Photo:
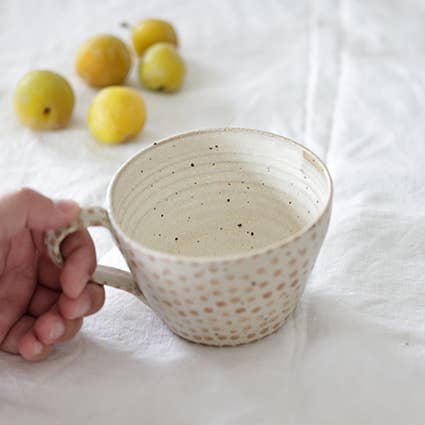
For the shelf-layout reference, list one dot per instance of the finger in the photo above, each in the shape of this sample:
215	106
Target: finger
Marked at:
42	301
27	208
51	327
80	263
48	273
31	348
17	331
88	302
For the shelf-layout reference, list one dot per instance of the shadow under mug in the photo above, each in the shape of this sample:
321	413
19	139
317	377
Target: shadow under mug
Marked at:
220	229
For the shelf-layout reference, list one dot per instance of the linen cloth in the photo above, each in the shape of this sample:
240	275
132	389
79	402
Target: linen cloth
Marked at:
344	77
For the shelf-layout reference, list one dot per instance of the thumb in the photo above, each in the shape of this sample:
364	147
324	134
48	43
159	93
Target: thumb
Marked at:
29	209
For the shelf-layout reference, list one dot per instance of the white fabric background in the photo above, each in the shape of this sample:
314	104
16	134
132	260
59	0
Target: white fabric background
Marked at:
342	76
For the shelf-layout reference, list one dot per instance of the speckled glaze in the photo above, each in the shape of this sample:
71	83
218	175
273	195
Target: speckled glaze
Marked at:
220	229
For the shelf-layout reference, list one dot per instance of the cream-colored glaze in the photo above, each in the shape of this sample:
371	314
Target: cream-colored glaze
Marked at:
220	229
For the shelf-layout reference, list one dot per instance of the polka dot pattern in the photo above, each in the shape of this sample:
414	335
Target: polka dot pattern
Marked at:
232	301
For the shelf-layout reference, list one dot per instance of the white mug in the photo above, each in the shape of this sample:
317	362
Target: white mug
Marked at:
220	229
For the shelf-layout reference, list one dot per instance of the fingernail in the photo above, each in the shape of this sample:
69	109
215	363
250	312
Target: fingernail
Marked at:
57	329
66	206
82	308
37	348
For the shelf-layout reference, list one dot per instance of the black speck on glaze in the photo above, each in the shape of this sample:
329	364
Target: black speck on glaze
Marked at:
228	200
240	225
176	238
192	164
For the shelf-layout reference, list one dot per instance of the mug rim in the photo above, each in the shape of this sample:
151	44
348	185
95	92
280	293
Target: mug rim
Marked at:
217	258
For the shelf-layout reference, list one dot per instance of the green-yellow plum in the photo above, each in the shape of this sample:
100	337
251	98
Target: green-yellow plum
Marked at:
116	115
162	68
44	100
103	60
151	31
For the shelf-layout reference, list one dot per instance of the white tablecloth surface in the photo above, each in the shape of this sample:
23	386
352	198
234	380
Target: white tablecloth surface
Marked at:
344	77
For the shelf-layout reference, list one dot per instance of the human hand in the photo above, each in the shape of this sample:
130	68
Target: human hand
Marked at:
41	304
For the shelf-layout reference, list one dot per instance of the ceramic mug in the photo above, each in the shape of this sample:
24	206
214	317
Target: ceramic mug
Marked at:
220	229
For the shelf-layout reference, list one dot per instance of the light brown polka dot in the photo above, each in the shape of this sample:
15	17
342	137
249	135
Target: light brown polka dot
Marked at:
151	258
245	277
281	286
277	273
214	282
263	284
274	318
252	336
216	328
292	262
213	269
234	337
216	293
229	322
230	277
181	313
208	338
267	295
166	272
205	330
214	319
233	331
235	300
199	287
177	302
199	320
222	337
182	278
275	260
294	283
161	289
271	302
199	274
186	289
249	289
274	327
221	304
302	251
208	310
255	309
225	314
232	290
240	310
196	337
244	319
305	264
188	301
173	292
193	313
251	299
314	236
203	298
264	331
261	270
168	282
247	328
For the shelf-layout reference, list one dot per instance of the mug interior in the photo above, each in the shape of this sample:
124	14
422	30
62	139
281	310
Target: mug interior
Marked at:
217	193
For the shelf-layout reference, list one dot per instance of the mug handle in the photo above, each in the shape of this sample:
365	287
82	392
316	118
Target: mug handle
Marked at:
104	275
